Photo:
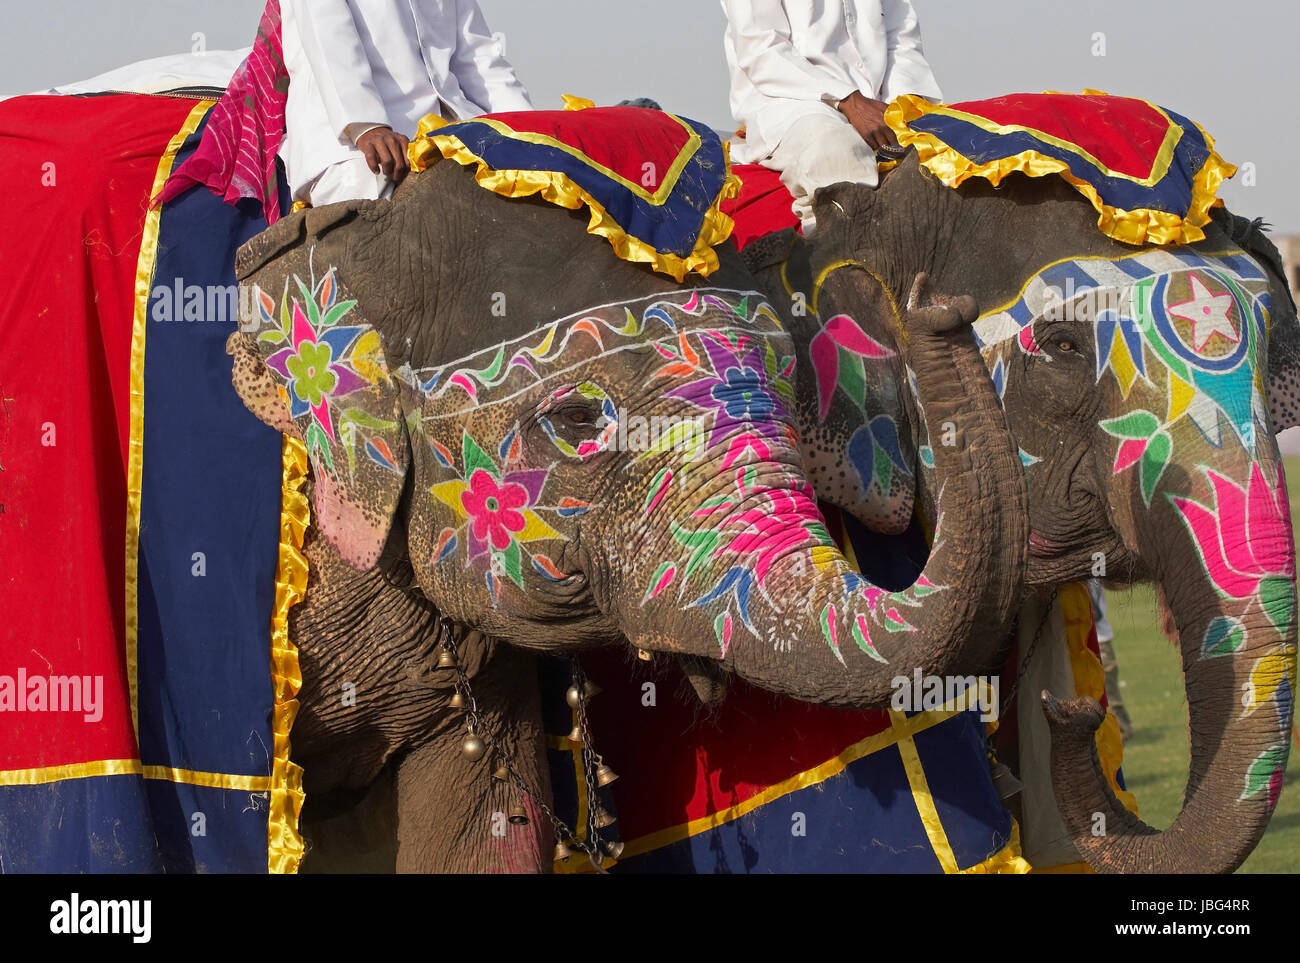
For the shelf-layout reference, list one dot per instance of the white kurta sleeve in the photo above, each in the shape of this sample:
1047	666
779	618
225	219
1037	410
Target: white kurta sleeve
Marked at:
339	66
766	55
481	69
908	71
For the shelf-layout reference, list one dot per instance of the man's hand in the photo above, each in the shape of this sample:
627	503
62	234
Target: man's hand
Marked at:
385	150
868	118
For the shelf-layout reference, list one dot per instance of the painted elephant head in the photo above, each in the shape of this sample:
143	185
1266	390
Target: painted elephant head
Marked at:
1136	385
583	453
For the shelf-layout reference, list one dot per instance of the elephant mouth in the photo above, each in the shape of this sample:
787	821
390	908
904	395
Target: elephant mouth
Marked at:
1040	546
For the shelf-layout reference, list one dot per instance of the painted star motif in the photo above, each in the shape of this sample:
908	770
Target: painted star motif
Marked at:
1208	314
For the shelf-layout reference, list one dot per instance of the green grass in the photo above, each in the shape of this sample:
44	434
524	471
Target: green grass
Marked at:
1156	759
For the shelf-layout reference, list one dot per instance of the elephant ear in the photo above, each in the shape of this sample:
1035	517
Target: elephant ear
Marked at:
1283	359
1284	328
311	344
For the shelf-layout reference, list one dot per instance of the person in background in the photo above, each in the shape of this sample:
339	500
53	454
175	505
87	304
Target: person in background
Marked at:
361	75
810	80
1105	639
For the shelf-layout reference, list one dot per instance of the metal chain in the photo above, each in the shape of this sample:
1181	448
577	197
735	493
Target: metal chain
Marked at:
591	761
593	845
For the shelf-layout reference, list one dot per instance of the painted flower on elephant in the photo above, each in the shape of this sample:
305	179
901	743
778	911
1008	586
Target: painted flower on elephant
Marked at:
743	395
494	508
1245	545
742	386
323	362
1245	541
497	514
310	370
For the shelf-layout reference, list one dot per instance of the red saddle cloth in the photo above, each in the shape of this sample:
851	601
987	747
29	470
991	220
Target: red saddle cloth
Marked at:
763	205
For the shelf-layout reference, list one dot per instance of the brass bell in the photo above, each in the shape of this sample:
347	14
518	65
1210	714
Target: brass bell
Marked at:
604	817
502	774
605	775
562	852
518	815
473	748
445	659
575	735
614	849
1005	782
589	691
457	700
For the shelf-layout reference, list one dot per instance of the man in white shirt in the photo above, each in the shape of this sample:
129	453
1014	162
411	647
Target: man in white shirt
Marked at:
361	75
810	80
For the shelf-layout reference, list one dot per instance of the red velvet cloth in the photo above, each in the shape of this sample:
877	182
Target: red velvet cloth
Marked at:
762	207
69	252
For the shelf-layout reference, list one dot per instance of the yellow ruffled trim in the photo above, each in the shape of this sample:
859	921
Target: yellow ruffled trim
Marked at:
558	189
1138	227
283	842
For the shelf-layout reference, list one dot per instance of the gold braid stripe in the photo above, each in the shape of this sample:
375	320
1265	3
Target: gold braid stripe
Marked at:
284	845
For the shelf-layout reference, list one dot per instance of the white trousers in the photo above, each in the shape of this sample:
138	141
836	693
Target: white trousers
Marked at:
347	180
819	150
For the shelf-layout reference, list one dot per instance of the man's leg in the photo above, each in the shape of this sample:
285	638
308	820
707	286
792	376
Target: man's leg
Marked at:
349	180
820	150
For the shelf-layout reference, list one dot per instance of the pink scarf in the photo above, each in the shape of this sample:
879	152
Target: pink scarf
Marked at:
236	156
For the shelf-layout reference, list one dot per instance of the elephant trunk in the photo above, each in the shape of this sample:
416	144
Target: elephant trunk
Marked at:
791	615
1238	645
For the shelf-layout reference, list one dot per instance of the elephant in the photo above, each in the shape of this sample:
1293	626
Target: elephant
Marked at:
1130	451
522	445
1143	387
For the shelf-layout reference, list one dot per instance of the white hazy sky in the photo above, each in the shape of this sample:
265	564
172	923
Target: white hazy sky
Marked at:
1232	67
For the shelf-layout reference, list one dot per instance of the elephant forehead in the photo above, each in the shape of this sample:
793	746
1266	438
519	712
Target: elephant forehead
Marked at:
688	333
1180	298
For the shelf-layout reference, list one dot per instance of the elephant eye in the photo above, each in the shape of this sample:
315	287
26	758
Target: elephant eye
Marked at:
581	416
1065	344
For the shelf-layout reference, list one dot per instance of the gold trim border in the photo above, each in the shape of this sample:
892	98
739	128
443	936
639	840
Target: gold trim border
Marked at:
132	767
284	845
144	269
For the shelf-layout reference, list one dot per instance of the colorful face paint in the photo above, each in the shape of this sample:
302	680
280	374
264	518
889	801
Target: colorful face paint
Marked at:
331	370
719	358
1180	341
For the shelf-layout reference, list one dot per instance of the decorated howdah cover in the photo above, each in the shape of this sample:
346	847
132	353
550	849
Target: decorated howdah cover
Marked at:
1151	173
653	181
140	510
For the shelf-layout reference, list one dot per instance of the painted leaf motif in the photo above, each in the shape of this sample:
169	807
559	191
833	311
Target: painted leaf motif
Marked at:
1268	674
853	378
1154	460
336	313
722	629
510	563
1265	773
359	416
825	356
862	636
548	568
1278	598
663	577
829	633
1136	424
475	458
849	336
1223	636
